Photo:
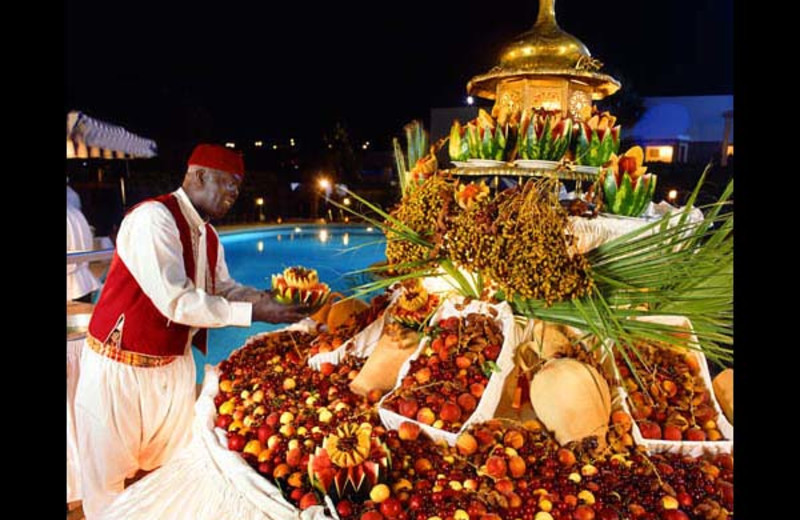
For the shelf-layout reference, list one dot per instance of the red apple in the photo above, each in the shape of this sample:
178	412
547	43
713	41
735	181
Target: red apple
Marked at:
344	508
463	362
650	430
672	433
371	515
423	375
408	431
223	421
621	421
467	402
513	439
308	500
695	434
583	513
294	456
484	436
374	395
466	444
566	457
450	412
607	513
415	502
391	507
492	352
422	465
516	465
496	467
236	442
408	407
426	416
264	432
504	486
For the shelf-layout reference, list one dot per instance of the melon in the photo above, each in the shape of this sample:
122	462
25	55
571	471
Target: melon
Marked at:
572	400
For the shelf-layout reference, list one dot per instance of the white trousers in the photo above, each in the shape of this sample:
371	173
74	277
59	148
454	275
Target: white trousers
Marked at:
129	418
74	349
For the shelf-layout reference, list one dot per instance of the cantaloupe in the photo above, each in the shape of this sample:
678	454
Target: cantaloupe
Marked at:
723	390
572	400
548	339
382	366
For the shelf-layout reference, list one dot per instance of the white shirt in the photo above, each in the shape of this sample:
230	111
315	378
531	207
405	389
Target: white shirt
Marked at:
80	280
73	199
149	244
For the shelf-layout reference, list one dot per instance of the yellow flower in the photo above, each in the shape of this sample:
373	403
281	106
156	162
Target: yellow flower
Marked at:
348	446
630	162
413	298
602	121
469	194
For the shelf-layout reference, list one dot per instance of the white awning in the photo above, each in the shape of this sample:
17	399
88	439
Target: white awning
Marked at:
91	138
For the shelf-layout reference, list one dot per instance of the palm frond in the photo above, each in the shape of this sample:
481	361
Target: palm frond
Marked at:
395	226
400	164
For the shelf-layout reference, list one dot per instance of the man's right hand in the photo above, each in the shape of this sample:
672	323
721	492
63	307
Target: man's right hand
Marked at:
269	310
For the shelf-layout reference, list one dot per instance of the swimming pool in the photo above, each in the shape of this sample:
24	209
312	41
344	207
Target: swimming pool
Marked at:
252	256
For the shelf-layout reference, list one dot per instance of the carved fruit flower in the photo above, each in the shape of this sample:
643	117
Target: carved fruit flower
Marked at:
469	194
348	446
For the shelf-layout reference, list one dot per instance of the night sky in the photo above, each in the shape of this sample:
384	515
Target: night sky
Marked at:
264	70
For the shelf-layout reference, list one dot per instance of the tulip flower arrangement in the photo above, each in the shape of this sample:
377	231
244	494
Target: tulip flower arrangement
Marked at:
596	140
481	138
627	188
544	135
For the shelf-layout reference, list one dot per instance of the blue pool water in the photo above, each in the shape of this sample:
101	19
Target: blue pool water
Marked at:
253	256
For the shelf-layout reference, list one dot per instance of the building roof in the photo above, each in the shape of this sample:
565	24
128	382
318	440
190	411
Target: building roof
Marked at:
693	118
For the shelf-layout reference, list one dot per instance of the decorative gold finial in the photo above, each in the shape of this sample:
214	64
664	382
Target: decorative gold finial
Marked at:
545	67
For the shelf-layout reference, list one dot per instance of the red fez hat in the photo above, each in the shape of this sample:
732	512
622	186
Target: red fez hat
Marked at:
219	158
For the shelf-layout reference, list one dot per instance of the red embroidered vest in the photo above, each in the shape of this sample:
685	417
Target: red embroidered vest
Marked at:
145	329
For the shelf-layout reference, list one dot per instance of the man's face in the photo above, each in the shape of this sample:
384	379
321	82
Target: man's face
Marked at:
219	191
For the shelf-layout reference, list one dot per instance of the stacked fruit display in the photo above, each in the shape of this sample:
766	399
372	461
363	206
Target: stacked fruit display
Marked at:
277	411
535	134
481	138
670	400
503	469
300	285
308	434
445	382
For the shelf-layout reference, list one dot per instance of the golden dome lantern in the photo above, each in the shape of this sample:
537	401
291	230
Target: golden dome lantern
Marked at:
545	68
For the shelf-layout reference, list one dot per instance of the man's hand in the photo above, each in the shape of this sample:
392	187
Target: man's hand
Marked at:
267	309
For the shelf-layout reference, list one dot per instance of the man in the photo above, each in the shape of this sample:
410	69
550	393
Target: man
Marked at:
168	282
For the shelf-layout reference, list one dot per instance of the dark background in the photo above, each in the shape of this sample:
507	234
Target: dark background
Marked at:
178	71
